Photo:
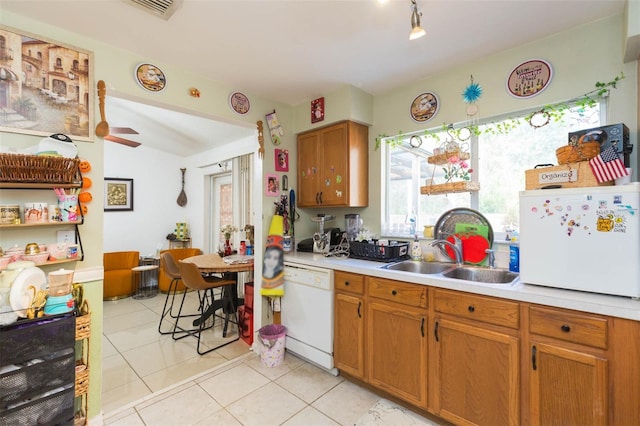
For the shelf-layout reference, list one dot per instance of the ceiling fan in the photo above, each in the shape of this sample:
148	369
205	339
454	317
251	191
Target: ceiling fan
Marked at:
123	131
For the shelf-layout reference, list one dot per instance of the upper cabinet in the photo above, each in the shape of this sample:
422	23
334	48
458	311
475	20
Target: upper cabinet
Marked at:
333	166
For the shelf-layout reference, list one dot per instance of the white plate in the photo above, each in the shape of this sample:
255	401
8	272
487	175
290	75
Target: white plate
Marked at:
20	296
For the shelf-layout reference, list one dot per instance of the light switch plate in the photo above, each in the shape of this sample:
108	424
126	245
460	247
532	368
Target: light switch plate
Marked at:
67	237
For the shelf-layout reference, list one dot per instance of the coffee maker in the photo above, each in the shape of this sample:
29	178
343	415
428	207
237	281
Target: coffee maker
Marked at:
353	223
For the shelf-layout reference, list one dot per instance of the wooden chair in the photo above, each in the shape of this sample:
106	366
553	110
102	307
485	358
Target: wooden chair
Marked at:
209	305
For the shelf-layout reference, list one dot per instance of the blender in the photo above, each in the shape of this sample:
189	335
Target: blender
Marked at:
60	299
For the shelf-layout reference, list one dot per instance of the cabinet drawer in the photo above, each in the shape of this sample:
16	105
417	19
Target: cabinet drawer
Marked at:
397	291
352	283
579	328
480	308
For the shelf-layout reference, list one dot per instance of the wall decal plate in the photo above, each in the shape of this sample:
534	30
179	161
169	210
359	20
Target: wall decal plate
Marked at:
529	79
150	77
239	103
424	107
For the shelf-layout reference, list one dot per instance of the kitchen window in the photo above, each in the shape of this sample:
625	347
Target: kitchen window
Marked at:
498	161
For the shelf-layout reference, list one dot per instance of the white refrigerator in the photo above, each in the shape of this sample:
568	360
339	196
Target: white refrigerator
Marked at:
585	239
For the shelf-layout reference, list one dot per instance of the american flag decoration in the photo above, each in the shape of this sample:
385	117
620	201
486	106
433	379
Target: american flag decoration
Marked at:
607	166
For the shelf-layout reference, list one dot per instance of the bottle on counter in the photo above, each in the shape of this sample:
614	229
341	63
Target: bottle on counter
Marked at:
514	254
416	250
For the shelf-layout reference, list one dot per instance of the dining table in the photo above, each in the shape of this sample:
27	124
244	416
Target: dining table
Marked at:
228	267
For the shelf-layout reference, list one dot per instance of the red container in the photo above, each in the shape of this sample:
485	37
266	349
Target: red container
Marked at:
245	318
248	296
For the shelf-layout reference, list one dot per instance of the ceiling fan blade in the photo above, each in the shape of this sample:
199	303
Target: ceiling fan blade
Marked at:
122	141
123	130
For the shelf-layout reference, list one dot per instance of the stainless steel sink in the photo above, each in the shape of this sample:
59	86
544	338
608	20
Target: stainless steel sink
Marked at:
483	275
420	267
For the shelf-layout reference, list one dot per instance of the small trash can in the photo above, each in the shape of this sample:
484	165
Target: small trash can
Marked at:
272	337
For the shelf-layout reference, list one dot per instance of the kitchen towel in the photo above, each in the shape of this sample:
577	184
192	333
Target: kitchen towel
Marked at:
607	166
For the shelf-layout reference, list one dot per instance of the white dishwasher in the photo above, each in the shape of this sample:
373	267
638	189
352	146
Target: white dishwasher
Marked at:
307	312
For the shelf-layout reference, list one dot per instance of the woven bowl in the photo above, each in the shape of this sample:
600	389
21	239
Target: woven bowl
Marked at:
580	152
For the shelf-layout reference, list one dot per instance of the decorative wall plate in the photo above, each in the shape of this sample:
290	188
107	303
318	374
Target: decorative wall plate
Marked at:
529	79
424	107
239	103
150	77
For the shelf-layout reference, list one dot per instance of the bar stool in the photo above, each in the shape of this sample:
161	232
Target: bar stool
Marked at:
171	269
208	306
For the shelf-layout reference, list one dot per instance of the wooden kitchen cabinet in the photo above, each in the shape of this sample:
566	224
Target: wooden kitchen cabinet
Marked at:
333	166
568	369
349	328
477	364
396	348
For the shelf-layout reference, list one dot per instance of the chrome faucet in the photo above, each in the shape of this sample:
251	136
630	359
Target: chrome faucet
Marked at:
456	246
492	258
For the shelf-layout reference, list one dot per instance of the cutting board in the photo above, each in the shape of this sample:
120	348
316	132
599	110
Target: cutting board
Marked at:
473	248
472	228
474	242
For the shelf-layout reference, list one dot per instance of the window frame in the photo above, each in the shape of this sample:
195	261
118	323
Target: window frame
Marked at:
474	140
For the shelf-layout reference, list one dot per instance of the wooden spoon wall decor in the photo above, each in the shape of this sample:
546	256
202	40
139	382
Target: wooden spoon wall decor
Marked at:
102	129
182	198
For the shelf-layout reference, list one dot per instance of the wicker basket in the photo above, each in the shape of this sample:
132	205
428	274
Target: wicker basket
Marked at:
450	187
82	379
83	327
579	152
39	169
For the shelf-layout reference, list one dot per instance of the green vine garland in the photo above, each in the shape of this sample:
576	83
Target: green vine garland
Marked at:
555	112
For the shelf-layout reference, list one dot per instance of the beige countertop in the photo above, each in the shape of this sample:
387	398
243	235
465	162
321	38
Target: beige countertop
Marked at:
616	306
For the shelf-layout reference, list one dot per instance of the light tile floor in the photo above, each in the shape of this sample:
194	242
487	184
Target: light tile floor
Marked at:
149	379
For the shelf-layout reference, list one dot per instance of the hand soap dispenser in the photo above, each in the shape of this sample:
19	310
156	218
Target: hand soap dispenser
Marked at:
416	250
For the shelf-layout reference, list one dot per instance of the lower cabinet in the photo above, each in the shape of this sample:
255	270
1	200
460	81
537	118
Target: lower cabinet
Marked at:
348	336
476	348
479	360
397	350
477	381
568	368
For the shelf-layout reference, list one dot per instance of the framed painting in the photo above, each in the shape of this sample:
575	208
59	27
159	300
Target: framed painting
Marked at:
46	87
118	194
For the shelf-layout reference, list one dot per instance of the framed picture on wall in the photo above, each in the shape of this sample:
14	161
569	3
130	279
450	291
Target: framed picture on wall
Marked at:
317	110
282	160
271	190
47	85
118	194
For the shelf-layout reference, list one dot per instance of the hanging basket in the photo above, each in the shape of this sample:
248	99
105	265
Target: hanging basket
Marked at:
581	151
450	187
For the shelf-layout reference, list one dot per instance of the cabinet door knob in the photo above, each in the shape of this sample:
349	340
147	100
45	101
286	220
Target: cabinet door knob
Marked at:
565	328
471	308
393	292
346	283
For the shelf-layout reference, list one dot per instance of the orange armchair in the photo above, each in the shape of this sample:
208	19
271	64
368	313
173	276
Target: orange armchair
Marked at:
118	277
178	254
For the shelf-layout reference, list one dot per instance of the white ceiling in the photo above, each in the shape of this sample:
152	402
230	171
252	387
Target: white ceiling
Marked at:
296	50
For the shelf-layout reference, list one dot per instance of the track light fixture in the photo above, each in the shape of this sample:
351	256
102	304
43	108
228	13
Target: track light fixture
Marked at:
416	30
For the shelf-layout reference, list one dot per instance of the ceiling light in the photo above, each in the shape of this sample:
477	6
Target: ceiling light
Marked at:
416	30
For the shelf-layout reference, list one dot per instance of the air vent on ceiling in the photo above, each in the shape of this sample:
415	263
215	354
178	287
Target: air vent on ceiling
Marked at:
162	8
